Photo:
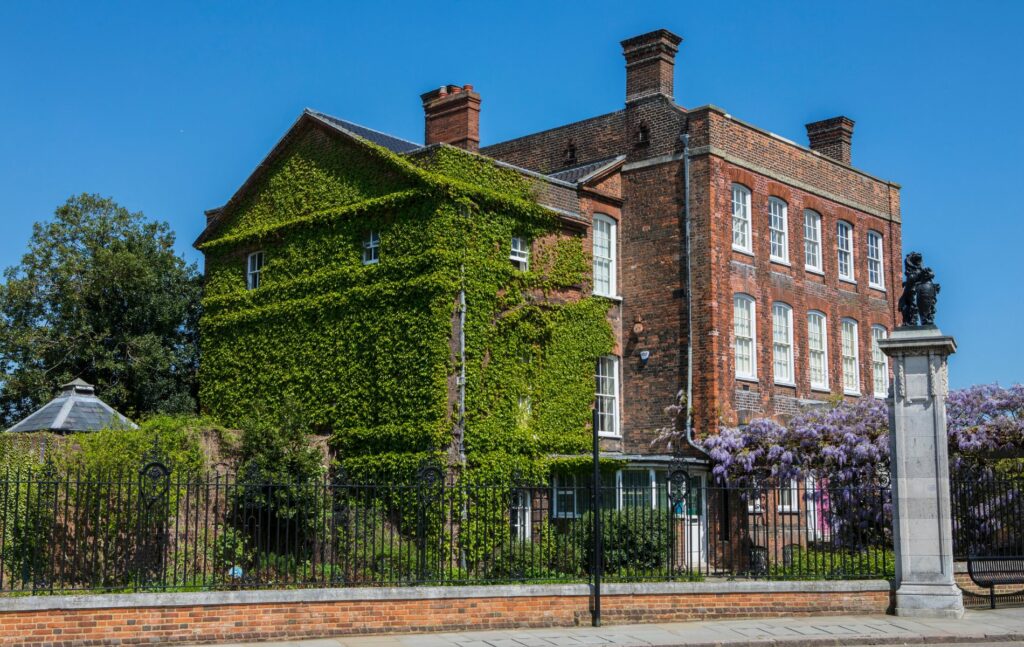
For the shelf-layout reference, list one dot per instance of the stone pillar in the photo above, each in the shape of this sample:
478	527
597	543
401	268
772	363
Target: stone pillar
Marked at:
922	525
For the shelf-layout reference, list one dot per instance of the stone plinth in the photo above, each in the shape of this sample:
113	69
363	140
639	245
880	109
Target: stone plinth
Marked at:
922	525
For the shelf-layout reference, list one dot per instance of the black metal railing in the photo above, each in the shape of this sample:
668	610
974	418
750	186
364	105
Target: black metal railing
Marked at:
157	530
988	512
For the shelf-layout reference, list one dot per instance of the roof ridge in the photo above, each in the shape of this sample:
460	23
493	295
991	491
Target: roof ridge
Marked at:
319	113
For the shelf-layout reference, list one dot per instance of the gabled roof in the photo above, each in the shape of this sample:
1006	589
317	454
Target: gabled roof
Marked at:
390	142
582	173
75	409
346	128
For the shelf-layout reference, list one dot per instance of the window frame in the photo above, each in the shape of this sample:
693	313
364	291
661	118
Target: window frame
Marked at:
817	268
521	515
252	276
856	354
614	396
878	239
652	486
611	259
851	276
520	255
793	489
564	483
819	386
371	247
752	376
876	353
783	231
787	310
745	218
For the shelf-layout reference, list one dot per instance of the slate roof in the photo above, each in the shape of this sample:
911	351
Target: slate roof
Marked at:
76	408
581	172
390	142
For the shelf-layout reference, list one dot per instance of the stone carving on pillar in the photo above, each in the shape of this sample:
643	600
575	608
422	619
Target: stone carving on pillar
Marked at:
920	292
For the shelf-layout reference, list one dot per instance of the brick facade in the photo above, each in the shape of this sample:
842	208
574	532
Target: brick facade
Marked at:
659	303
54	624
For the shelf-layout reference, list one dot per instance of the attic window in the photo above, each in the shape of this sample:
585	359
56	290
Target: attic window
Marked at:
570	153
371	248
643	135
254	265
520	254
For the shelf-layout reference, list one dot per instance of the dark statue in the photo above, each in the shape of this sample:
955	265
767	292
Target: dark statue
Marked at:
920	292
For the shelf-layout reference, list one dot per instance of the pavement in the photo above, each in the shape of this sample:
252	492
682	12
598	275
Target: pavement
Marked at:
1002	626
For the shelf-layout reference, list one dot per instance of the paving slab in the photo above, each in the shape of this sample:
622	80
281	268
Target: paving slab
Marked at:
975	628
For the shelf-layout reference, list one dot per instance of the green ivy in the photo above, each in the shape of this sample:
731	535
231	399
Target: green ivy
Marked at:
368	351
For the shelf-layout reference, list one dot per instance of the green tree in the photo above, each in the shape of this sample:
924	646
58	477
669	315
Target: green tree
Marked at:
100	295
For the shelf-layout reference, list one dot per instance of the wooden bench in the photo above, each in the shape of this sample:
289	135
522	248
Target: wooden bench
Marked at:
990	572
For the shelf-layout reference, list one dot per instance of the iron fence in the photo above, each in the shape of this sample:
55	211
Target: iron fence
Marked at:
154	530
988	512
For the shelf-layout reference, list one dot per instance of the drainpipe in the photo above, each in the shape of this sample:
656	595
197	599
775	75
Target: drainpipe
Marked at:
685	138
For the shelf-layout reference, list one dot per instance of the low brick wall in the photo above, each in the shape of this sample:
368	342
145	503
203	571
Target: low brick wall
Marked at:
316	613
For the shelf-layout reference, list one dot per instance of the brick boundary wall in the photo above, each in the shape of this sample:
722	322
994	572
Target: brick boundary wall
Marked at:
130	619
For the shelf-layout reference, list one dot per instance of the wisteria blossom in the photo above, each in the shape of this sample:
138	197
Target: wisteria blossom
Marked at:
849	442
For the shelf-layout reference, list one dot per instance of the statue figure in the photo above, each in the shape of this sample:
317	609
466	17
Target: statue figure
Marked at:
920	292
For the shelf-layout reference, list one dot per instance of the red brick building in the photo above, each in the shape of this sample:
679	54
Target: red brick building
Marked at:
745	271
761	267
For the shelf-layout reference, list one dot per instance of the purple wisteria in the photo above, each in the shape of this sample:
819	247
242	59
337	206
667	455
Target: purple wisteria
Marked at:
849	443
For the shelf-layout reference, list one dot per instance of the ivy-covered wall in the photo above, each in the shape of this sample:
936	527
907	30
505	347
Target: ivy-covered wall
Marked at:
369	353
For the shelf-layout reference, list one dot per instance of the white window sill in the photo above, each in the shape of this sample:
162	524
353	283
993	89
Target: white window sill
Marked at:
616	297
755	510
846	280
814	270
370	262
821	389
880	288
741	250
747	378
789	384
785	509
605	434
780	261
855	394
881	396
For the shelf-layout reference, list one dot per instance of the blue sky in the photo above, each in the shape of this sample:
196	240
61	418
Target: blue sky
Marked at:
168	107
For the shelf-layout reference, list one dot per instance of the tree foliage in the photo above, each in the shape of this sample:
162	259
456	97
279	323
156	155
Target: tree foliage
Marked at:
100	295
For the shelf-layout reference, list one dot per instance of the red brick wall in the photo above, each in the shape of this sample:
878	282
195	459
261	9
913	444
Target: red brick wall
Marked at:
719	272
296	620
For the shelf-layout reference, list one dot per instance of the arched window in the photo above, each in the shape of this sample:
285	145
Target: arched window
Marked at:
605	250
844	250
876	277
879	363
782	343
851	365
741	218
812	240
817	349
778	223
744	330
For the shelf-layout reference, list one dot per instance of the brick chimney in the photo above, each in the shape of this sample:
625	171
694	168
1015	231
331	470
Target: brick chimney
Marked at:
832	137
650	64
452	116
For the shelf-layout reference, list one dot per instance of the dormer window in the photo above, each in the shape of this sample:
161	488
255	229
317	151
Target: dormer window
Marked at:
253	267
371	248
520	254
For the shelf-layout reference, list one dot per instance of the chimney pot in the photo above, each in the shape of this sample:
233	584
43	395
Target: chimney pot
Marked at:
832	137
452	116
650	64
